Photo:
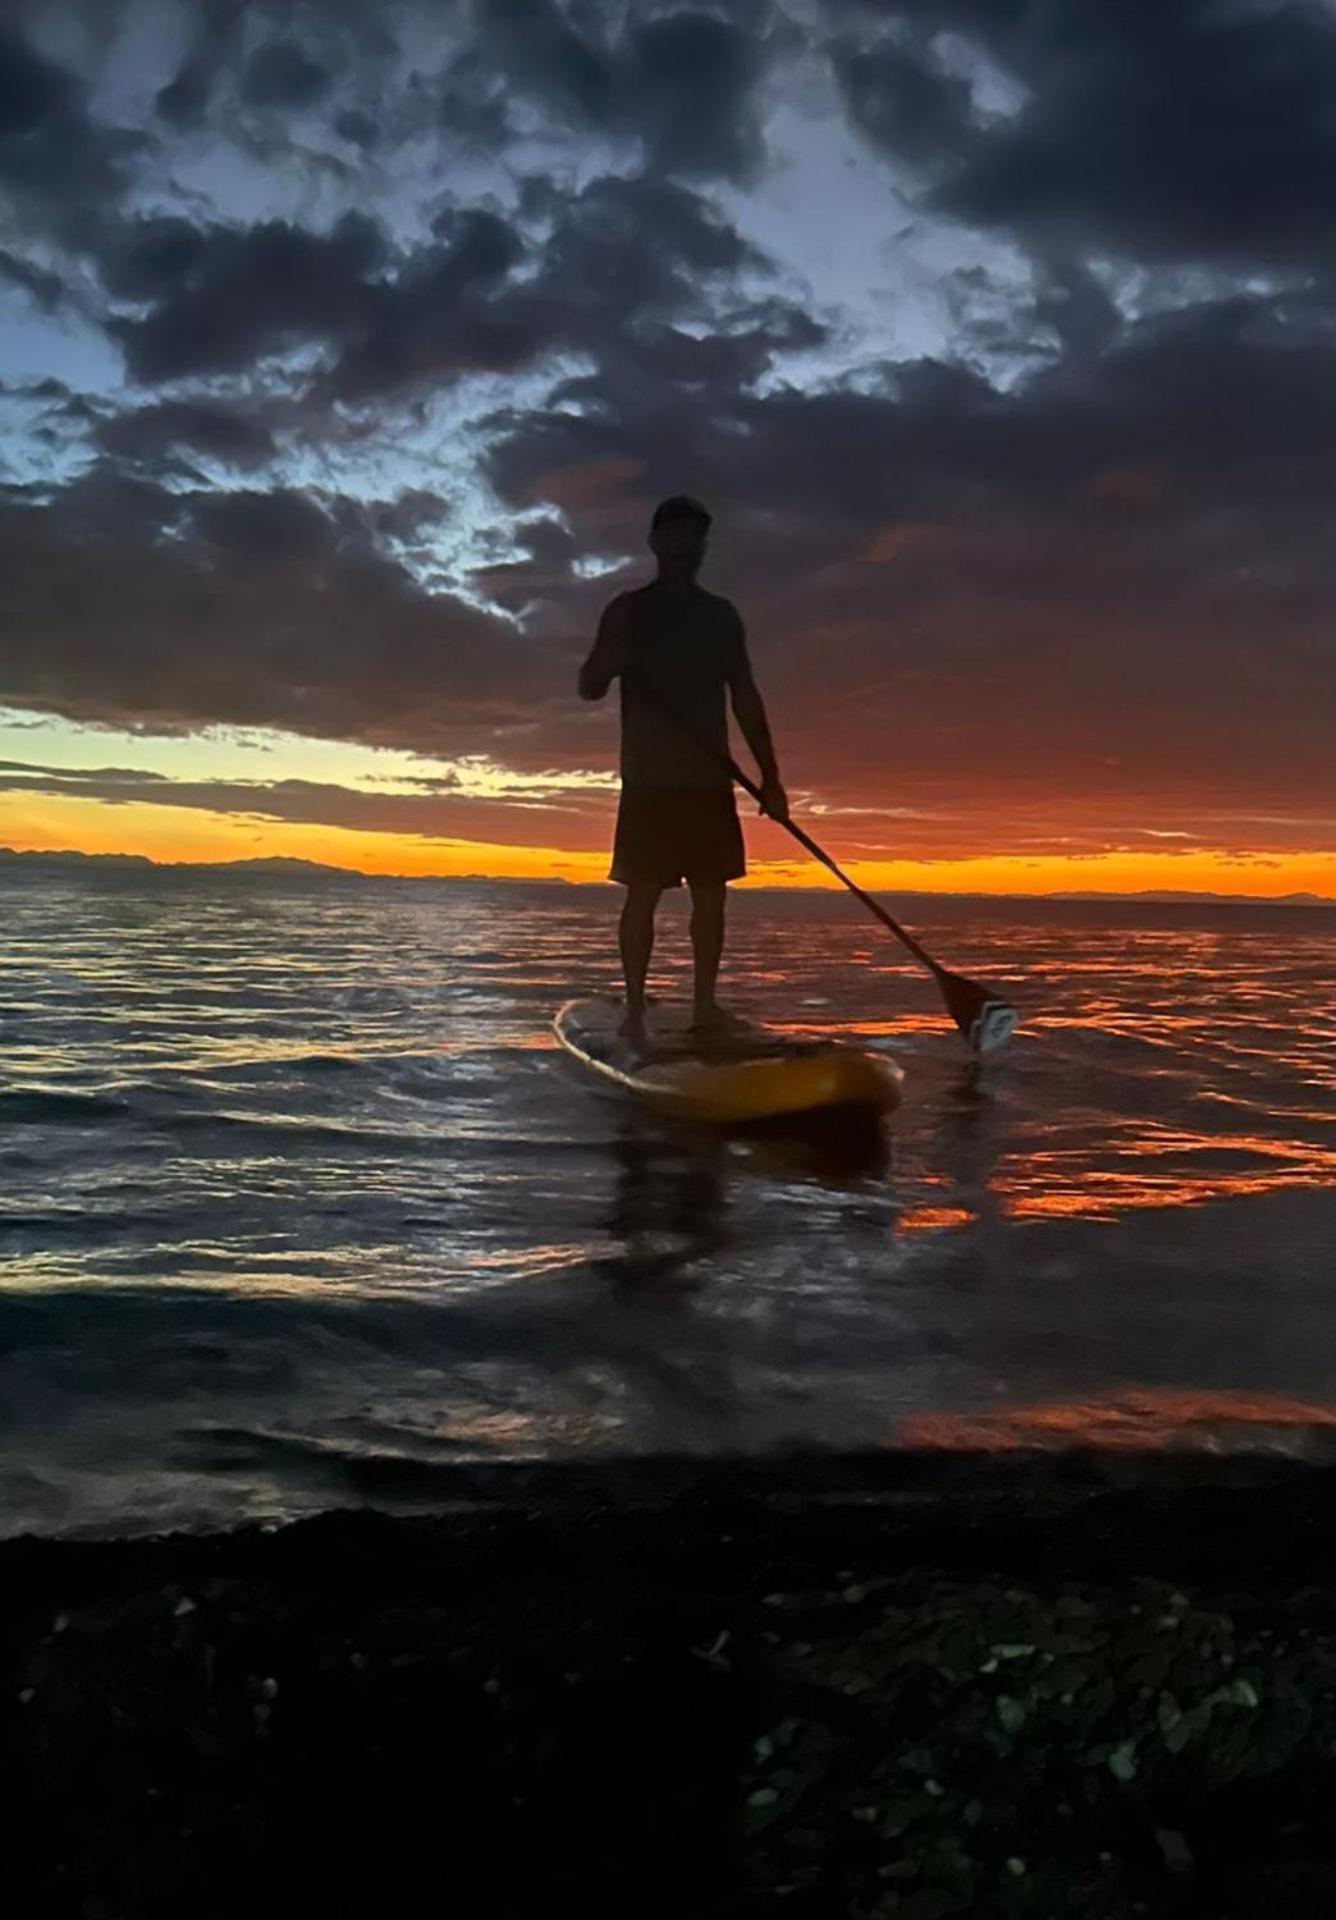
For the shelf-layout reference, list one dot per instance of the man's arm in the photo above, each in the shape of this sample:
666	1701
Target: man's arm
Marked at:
607	657
751	717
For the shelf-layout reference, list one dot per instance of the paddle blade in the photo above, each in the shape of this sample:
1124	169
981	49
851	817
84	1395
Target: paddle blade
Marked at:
984	1017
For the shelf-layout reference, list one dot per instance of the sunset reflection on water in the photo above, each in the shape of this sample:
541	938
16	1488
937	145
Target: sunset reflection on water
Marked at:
294	1178
1129	1421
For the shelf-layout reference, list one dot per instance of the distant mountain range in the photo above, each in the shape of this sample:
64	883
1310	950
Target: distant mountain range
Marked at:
12	862
70	861
281	866
1168	897
140	863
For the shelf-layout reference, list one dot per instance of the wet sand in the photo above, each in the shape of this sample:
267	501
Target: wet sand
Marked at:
913	1686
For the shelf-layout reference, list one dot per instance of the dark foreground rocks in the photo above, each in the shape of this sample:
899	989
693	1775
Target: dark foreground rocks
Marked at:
903	1688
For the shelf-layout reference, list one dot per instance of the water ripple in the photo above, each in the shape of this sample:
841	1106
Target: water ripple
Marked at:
292	1177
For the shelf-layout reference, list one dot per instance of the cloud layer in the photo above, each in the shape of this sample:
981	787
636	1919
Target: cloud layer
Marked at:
357	345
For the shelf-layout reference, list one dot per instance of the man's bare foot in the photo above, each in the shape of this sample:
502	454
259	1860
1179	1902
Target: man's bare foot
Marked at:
634	1032
714	1019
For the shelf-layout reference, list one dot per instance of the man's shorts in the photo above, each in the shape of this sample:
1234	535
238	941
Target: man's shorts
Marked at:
666	835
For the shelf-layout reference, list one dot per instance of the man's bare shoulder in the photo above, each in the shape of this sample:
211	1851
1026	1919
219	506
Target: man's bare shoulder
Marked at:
721	614
622	604
717	605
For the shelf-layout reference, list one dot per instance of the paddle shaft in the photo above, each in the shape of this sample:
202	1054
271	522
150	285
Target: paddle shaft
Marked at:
817	852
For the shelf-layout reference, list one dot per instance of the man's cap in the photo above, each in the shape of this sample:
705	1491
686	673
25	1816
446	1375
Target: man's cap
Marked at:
680	506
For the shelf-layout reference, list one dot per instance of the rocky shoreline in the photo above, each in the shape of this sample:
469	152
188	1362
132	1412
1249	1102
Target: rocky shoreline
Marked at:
889	1685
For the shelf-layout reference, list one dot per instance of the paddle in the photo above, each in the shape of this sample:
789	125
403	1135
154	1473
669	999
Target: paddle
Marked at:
985	1019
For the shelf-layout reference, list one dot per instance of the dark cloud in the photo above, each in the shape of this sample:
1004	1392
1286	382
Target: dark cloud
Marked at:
679	85
473	104
45	287
282	529
692	94
682	82
314	43
902	102
1188	129
152	259
409	516
357	127
1107	574
130	605
185	98
222	297
1119	576
537	582
46	389
440	317
58	166
33	91
622	264
630	219
533	47
282	75
622	256
1070	302
153	434
184	101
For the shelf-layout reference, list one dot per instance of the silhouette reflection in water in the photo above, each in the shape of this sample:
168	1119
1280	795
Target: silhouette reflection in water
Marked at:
670	1215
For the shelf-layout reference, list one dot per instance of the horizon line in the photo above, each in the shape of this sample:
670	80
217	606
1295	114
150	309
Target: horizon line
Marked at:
72	858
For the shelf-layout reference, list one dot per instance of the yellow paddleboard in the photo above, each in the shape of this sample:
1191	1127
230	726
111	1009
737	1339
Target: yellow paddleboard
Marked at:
747	1076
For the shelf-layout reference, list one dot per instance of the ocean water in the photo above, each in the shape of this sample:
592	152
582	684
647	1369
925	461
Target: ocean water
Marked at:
299	1204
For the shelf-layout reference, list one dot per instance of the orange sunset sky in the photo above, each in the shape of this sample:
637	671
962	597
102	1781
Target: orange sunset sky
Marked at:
577	852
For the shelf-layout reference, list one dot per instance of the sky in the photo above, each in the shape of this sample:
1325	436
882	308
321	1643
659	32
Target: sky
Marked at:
346	348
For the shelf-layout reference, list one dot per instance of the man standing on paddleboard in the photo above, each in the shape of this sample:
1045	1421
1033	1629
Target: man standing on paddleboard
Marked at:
679	652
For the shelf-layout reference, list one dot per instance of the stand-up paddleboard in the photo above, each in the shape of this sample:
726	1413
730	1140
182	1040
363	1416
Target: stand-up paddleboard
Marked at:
743	1077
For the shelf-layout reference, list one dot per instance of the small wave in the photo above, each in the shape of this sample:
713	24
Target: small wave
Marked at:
71	1223
296	1130
274	1064
59	1109
383	1473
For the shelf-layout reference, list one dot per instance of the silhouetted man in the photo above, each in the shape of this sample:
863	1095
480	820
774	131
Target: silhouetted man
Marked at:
678	650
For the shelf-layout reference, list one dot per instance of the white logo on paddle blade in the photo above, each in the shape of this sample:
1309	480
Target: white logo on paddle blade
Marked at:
993	1026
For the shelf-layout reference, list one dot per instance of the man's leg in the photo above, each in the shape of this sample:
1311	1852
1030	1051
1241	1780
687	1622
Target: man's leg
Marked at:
707	944
637	943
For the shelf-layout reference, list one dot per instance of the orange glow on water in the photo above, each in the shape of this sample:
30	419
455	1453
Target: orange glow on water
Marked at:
932	1219
1134	1419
